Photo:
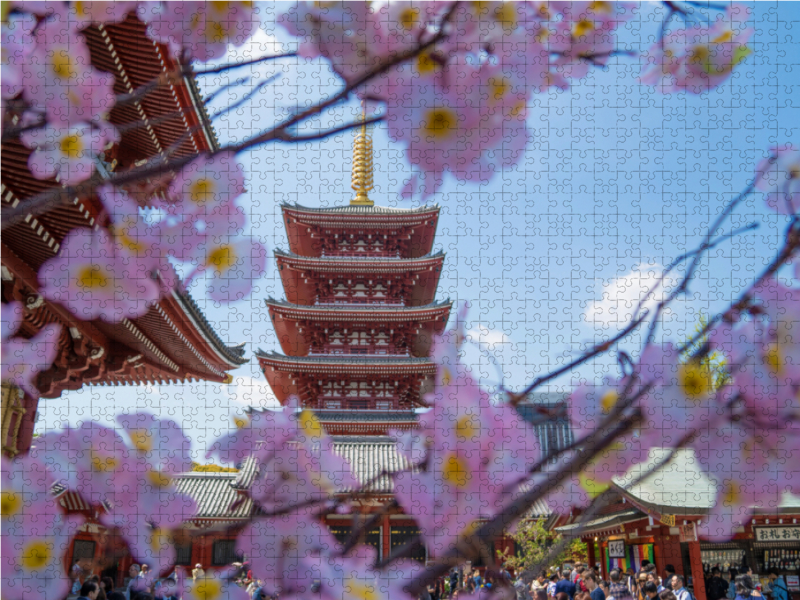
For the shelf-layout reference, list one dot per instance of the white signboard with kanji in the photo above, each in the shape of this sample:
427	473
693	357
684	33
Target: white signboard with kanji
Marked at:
777	534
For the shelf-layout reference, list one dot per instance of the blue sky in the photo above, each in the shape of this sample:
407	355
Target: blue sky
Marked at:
550	254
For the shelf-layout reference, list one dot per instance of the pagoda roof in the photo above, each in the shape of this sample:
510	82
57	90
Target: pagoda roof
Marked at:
348	363
368	457
365	416
305	226
287	375
358	311
301	289
360	210
362	263
296	338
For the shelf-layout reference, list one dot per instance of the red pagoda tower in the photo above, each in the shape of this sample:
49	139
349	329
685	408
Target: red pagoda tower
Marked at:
359	317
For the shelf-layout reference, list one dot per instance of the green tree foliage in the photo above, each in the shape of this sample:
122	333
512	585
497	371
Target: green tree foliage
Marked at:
534	542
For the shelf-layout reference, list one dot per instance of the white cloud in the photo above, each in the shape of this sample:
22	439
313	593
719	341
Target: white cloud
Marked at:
620	296
248	391
484	343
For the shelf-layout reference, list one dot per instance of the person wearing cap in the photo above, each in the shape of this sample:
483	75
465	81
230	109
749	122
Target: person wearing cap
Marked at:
197	572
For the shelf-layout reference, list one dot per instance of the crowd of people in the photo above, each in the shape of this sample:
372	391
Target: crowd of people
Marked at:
585	583
582	582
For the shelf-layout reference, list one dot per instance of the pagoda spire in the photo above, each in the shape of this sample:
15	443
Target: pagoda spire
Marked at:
362	164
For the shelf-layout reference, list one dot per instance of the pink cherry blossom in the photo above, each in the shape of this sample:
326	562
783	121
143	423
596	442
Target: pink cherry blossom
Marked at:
133	234
285	551
779	177
204	29
235	266
68	153
701	58
161	442
263	434
58	77
214	586
94	280
207	182
16	46
23	358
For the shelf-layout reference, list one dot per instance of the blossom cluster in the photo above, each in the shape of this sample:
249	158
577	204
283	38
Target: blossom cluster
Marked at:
460	105
119	268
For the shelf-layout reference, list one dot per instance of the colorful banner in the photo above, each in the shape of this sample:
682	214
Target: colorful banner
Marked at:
634	557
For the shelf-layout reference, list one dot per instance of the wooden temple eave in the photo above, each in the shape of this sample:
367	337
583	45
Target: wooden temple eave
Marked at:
391	365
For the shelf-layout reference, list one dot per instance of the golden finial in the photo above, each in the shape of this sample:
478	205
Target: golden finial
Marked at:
362	164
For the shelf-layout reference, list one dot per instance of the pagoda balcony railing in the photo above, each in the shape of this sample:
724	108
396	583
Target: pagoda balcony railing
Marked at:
328	301
359	254
339	403
371	350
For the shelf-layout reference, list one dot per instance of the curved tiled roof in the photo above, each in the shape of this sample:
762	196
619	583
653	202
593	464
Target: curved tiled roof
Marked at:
234	354
368	457
351	209
343	359
366	308
216	495
358	259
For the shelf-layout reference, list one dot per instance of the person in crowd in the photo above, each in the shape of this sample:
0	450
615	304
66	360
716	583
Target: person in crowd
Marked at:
89	590
595	592
618	589
745	588
116	596
732	575
565	586
717	587
130	591
540	583
641	581
563	595
606	587
667	595
669	571
630	580
582	596
645	563
107	585
579	584
650	590
778	585
540	595
551	586
679	588
197	572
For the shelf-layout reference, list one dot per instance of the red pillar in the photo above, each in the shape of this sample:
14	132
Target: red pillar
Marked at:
25	434
696	563
670	555
386	528
603	569
590	549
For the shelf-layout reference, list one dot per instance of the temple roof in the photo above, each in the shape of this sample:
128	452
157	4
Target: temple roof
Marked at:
368	456
345	360
307	228
360	261
360	210
362	310
216	495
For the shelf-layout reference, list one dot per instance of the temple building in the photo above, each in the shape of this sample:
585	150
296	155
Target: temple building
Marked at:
356	330
173	342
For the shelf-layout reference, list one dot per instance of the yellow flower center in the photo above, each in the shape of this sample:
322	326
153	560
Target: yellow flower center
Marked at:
426	63
583	27
447	375
160	540
773	358
158	479
207	589
10	504
62	65
440	123
505	13
725	36
360	590
455	471
694	380
201	191
601	7
92	277
310	424
498	87
141	440
36	555
608	401
222	258
409	18
71	146
591	484
468	427
731	496
103	464
241	422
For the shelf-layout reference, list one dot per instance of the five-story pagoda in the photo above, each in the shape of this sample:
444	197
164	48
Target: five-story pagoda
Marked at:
359	317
